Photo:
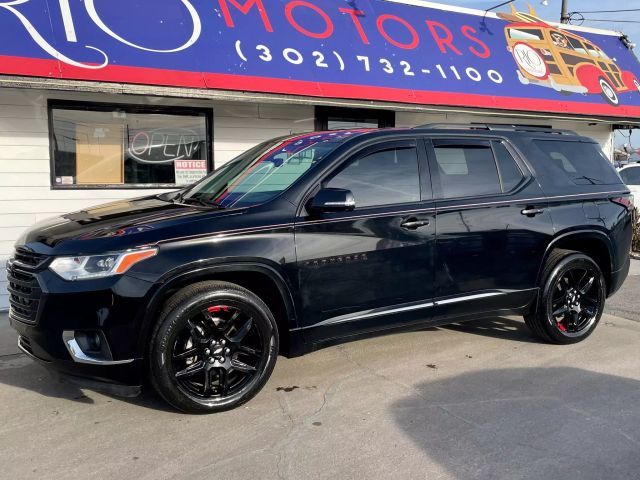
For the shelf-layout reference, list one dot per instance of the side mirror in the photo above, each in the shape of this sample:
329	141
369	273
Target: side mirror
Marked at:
332	200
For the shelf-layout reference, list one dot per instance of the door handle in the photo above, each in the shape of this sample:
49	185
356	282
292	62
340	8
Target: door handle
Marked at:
414	224
532	212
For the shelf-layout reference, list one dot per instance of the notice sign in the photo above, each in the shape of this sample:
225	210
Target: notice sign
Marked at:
189	171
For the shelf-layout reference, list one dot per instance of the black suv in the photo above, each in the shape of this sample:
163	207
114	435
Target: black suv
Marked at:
310	240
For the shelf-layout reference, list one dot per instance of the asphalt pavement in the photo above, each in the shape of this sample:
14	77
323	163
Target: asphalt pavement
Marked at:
483	400
626	302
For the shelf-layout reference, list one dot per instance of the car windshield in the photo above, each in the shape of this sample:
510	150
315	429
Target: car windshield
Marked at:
525	34
265	171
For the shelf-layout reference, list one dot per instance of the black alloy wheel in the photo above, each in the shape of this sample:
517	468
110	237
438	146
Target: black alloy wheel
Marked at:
214	347
571	298
576	299
218	351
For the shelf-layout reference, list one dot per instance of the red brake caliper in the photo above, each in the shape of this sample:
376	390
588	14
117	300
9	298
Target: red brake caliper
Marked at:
218	309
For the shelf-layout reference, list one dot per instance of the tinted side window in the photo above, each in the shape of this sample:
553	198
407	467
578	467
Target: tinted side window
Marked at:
583	163
466	170
631	176
381	178
510	173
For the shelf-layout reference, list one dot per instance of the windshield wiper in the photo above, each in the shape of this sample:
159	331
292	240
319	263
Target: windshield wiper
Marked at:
178	197
200	201
591	180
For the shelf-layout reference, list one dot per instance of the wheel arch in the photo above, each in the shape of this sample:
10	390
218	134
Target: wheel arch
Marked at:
260	278
593	243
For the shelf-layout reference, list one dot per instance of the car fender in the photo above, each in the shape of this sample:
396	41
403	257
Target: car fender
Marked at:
581	233
588	75
196	271
628	80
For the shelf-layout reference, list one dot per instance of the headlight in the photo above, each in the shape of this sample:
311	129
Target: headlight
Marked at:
99	266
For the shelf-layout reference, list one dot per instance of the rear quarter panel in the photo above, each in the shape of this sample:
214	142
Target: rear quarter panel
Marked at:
578	209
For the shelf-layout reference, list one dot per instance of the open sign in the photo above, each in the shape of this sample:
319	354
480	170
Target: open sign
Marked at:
165	145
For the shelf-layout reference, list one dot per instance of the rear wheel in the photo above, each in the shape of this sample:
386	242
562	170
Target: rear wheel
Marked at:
608	92
214	347
571	300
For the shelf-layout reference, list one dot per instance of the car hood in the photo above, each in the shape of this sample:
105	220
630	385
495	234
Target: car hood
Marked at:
121	225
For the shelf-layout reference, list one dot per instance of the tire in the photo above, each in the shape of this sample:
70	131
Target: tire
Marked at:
214	347
608	92
571	298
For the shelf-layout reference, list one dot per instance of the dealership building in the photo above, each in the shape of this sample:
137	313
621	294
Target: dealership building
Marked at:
99	106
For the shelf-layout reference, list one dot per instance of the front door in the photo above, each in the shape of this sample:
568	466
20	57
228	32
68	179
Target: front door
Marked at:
372	267
493	227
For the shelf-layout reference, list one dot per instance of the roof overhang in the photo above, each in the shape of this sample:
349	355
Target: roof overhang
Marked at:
101	88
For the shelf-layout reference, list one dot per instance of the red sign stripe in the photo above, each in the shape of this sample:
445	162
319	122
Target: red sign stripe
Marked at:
152	76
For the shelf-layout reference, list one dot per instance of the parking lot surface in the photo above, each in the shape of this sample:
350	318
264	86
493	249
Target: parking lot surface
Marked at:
478	401
473	401
626	302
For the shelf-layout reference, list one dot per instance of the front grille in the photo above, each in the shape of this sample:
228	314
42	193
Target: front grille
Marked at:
29	258
24	293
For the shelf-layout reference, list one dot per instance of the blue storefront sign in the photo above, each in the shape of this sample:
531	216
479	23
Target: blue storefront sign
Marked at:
358	49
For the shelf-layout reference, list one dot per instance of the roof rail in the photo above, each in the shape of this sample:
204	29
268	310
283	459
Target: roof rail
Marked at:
497	127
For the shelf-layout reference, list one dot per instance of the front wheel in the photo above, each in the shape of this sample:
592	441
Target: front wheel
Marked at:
214	347
571	300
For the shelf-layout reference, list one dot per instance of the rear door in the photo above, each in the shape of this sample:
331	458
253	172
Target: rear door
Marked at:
493	226
372	267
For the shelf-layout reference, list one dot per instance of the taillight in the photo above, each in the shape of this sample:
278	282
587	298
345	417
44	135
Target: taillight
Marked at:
626	201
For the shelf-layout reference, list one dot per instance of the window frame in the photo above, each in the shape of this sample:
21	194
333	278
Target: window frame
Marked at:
469	140
386	118
426	191
523	175
128	108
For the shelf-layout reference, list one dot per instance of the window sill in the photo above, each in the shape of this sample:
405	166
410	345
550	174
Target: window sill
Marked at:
133	186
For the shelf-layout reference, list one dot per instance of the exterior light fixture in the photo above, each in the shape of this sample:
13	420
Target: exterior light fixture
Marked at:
627	43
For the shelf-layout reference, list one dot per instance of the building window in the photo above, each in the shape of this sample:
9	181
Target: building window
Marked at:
126	146
334	118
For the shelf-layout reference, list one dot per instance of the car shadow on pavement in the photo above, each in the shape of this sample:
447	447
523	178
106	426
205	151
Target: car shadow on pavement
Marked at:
537	423
21	372
498	327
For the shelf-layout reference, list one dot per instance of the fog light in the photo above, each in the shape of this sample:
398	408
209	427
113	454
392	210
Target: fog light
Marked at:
88	344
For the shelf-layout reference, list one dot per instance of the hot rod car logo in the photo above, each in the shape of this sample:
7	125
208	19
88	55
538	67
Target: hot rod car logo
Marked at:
552	57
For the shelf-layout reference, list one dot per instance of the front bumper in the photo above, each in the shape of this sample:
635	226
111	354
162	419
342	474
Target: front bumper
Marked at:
110	308
122	381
